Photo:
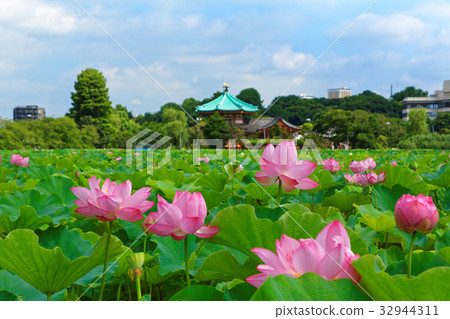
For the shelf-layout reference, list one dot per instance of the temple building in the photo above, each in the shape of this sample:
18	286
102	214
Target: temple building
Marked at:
234	111
263	127
229	107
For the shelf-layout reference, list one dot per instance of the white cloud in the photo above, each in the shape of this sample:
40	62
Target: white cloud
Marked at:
37	16
286	59
396	27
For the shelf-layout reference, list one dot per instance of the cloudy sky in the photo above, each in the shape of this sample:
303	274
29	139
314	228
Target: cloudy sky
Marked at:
159	51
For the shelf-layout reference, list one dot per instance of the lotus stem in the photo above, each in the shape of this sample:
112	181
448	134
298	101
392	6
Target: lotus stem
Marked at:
186	262
232	187
105	265
128	289
377	242
119	289
375	198
410	254
49	297
386	240
145	244
138	287
279	191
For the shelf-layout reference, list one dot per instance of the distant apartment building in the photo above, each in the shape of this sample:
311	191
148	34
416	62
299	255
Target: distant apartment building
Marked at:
437	103
339	93
28	112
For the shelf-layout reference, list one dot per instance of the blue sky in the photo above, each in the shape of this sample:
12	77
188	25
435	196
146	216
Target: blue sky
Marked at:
190	47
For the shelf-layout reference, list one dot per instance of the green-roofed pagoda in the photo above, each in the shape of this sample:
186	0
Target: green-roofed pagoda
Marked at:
229	107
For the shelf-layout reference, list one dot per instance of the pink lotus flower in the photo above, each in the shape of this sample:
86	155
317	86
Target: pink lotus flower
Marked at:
358	167
280	164
350	178
366	179
204	159
370	163
394	163
329	256
112	201
136	154
362	166
109	152
186	215
118	159
330	164
18	160
416	213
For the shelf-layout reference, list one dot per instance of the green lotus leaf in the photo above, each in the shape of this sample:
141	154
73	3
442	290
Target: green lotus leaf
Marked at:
171	252
441	178
60	186
49	270
46	206
430	285
345	201
308	287
420	262
399	175
27	218
241	230
197	293
378	221
240	292
443	241
223	266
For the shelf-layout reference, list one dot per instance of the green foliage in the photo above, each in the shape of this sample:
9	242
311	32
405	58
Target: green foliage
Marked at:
409	91
175	125
90	101
363	129
47	133
197	293
442	123
297	110
216	127
430	141
417	124
430	285
308	287
252	97
50	270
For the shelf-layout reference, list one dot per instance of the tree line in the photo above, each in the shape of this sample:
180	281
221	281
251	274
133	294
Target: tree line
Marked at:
366	120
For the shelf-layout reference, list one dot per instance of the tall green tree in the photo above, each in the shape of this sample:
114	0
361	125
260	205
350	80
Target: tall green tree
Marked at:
252	97
90	101
175	125
216	127
409	91
417	124
442	123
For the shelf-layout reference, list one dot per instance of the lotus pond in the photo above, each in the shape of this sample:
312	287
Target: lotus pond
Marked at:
88	225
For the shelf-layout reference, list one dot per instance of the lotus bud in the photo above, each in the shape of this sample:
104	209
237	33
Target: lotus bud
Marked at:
136	262
416	214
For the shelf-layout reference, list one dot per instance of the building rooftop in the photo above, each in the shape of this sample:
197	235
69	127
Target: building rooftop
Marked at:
264	123
227	103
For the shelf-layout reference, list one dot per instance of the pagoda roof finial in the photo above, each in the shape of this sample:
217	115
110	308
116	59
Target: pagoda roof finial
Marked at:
226	86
